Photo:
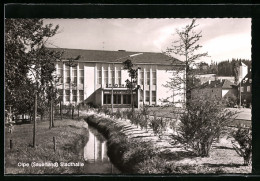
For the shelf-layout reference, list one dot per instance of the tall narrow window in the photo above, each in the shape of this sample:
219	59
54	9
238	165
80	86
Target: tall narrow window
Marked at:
81	95
141	77
60	72
141	95
118	75
99	75
154	77
67	74
106	76
112	75
147	77
67	95
74	93
124	99
60	91
147	96
153	96
74	76
81	73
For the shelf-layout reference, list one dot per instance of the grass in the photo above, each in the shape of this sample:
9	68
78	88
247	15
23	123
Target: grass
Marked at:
139	157
70	139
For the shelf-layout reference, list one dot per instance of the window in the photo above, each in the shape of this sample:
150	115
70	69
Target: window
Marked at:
67	74
81	95
248	89
141	77
67	97
126	99
147	78
106	76
153	96
74	94
118	75
107	99
242	89
141	95
117	98
99	75
60	72
60	91
154	78
74	75
81	76
112	76
147	96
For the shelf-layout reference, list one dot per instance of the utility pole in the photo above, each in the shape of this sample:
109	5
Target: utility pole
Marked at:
112	90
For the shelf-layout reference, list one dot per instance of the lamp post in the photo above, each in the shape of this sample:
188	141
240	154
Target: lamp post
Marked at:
113	77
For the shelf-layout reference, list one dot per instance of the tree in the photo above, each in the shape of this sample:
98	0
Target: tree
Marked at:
131	84
204	120
186	47
29	65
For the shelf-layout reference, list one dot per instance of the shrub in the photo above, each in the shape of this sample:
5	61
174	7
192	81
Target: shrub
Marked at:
158	125
231	101
202	122
243	137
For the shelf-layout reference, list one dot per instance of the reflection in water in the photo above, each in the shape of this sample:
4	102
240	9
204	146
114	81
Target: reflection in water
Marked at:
95	154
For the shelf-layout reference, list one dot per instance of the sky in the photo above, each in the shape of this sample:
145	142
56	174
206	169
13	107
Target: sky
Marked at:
222	38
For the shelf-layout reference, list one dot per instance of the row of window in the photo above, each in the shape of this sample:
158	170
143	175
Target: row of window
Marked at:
70	77
248	89
147	96
75	97
117	99
147	82
117	78
109	76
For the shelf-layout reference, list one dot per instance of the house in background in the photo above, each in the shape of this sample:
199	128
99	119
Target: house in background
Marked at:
218	89
246	90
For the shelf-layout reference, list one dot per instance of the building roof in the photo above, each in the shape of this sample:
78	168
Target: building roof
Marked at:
225	84
247	80
118	56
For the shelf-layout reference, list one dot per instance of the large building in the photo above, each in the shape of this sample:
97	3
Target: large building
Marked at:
94	75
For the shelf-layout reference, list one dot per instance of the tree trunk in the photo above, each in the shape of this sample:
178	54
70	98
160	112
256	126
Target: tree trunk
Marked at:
34	120
60	110
52	114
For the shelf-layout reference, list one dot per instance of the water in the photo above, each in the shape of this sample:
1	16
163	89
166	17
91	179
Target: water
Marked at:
95	154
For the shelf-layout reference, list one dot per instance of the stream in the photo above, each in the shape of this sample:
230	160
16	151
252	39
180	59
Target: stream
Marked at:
95	154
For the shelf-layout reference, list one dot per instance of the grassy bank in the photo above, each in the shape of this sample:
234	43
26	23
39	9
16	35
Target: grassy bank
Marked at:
139	157
70	135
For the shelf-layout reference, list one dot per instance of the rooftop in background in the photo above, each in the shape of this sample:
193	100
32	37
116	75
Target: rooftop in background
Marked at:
226	84
112	56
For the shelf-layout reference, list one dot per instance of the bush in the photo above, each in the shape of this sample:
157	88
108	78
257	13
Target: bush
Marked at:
202	122
158	125
231	101
243	137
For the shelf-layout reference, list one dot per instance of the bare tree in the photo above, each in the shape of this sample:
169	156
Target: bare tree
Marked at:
186	47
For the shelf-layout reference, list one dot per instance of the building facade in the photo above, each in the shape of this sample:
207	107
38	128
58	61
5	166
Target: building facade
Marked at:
246	90
92	78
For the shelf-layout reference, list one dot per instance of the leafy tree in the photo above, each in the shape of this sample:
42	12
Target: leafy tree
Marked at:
203	121
243	137
132	83
27	60
186	47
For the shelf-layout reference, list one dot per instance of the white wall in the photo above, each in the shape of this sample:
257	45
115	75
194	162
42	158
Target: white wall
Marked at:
89	80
